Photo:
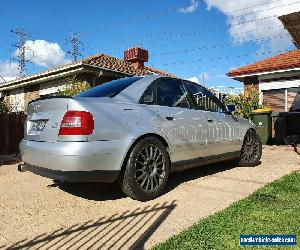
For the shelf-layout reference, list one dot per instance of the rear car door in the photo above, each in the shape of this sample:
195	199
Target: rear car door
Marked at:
222	128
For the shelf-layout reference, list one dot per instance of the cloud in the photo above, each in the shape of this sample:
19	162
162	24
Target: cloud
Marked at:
191	8
8	71
44	53
267	25
199	79
194	79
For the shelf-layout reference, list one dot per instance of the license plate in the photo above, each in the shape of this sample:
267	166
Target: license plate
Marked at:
37	126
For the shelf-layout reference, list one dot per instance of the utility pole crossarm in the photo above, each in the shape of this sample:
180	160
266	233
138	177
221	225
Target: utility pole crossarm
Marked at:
20	46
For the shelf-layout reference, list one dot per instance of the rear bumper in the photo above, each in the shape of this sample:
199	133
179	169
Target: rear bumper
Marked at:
75	176
75	156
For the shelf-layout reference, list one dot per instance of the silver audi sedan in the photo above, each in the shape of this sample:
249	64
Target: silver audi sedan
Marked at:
136	131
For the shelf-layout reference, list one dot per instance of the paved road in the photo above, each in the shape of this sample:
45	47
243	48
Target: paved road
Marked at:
36	213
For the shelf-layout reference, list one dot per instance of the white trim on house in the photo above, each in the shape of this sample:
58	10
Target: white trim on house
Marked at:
42	79
16	82
262	74
282	84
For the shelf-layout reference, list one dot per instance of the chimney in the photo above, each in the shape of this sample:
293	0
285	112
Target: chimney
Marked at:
136	56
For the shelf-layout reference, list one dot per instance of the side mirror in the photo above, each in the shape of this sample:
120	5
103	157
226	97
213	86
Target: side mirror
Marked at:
231	108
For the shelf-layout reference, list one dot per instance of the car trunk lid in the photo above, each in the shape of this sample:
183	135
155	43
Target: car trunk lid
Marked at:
44	118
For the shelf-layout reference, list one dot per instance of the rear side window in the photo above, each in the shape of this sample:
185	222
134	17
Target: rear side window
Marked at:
205	100
109	89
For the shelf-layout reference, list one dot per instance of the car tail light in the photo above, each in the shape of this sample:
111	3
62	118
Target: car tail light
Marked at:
77	123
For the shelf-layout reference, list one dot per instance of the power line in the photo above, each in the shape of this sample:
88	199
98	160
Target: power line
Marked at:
21	48
220	27
208	38
221	45
175	9
202	39
75	42
191	34
234	16
225	57
240	23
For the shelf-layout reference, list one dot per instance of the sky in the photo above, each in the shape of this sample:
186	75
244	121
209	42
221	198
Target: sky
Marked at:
201	40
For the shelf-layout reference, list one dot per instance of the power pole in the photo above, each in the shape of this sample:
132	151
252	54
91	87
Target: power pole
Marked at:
75	42
20	56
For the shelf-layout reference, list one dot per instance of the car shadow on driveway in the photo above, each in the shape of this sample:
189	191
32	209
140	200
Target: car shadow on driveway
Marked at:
91	191
129	230
112	191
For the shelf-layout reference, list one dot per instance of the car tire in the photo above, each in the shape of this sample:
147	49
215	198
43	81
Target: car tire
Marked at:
146	171
251	150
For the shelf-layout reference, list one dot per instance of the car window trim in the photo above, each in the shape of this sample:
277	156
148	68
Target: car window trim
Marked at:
153	84
215	99
175	79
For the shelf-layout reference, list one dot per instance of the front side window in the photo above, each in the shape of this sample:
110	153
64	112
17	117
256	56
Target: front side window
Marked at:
204	99
109	89
172	93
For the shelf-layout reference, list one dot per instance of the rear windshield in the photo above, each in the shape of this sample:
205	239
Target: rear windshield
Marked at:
109	89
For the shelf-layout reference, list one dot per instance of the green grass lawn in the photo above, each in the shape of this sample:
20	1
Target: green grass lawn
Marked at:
273	209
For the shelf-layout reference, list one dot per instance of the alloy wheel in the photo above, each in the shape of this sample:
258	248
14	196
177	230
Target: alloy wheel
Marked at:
150	168
251	148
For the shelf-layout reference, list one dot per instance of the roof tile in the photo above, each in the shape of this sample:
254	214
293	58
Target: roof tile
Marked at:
115	64
287	60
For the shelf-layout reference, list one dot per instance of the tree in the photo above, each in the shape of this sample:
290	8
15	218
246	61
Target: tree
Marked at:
74	87
245	103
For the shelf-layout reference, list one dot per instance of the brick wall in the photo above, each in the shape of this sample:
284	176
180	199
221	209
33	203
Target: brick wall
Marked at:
31	93
251	84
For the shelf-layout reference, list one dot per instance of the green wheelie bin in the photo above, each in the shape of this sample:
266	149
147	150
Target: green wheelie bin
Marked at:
263	120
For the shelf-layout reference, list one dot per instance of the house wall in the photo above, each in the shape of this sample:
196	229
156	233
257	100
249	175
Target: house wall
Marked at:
52	87
31	93
251	84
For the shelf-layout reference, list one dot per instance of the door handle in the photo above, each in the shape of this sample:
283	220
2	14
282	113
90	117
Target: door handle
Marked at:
210	120
170	118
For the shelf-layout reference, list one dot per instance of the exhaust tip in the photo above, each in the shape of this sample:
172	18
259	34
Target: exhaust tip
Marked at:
22	167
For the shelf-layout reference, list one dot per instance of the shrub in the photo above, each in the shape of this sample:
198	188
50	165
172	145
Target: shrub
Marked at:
3	107
74	87
244	103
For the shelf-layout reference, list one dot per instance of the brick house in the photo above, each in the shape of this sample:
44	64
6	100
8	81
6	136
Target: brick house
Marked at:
276	79
95	70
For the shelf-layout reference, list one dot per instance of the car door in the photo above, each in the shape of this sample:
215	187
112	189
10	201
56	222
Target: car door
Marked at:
222	129
175	118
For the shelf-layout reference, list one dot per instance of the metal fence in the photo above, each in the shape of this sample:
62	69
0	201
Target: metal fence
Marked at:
11	132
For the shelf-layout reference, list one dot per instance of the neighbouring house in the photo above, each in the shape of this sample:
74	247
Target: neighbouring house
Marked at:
276	79
95	70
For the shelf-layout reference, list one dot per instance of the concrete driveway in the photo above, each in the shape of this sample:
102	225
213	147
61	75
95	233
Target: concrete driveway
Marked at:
36	213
